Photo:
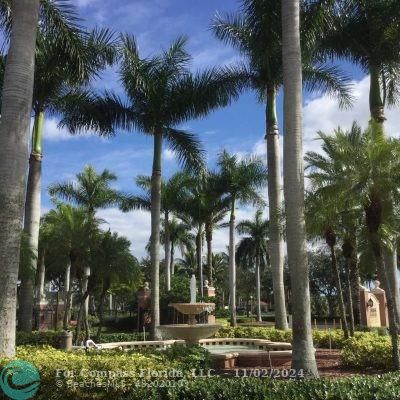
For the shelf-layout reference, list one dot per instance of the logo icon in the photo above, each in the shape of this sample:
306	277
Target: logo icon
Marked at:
19	380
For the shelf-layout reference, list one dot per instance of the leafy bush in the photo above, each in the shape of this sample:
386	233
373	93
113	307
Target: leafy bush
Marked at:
108	373
355	388
50	338
321	338
368	350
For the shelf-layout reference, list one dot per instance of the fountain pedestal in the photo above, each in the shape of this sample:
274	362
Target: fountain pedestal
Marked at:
191	332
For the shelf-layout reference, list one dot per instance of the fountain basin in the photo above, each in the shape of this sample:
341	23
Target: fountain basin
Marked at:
190	333
193	308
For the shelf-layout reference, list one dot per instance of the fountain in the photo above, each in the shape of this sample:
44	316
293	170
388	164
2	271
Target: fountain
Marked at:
191	332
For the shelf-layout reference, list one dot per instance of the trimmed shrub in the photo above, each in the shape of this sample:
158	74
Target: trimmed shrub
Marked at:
93	374
386	387
368	350
50	338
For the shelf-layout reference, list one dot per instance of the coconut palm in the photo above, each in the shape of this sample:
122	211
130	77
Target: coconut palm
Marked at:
15	119
241	179
303	356
80	56
162	93
253	249
171	193
256	33
366	170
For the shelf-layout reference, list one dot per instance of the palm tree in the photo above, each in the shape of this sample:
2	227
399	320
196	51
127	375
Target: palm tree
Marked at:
114	264
365	167
187	264
162	94
171	193
180	237
92	191
368	34
204	206
303	356
70	232
80	56
15	119
242	179
253	249
323	220
256	33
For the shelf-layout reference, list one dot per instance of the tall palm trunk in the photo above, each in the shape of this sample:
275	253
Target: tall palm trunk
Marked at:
86	294
100	311
14	131
32	223
67	296
155	235
390	258
199	246
232	265
355	284
376	105
393	329
377	111
347	250
172	260
275	203
209	253
303	356
258	288
167	251
41	279
339	288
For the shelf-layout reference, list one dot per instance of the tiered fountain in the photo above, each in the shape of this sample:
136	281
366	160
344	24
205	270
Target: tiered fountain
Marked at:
191	332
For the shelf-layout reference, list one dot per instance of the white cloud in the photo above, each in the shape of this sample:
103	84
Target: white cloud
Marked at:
53	133
134	225
168	155
323	114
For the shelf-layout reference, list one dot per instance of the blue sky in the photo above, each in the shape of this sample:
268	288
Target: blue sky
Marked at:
238	128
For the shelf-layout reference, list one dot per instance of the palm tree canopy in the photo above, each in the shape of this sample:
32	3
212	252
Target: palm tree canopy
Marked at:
161	93
67	54
359	169
172	191
91	190
256	33
366	33
255	243
242	179
179	235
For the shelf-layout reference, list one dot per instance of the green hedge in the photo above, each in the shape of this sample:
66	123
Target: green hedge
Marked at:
55	368
108	373
50	338
386	387
322	339
368	351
